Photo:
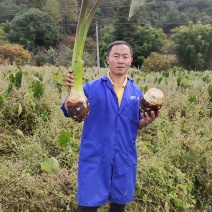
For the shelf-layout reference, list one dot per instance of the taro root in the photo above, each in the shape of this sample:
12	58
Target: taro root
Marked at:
152	100
78	108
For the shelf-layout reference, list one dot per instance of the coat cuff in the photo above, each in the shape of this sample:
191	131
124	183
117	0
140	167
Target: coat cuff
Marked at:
65	113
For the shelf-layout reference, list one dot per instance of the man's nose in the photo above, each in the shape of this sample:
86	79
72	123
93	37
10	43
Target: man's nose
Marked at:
120	60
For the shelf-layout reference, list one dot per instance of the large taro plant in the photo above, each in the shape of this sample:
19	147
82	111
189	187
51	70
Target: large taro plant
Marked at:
77	104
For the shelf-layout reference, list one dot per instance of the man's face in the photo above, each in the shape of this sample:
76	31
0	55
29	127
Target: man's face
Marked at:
119	59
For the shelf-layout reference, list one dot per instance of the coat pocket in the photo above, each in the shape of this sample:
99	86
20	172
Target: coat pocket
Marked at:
132	108
91	151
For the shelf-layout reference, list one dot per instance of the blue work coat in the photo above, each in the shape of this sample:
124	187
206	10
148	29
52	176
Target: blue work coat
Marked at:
108	156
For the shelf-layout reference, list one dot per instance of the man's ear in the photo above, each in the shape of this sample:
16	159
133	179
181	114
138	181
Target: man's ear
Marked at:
131	62
107	59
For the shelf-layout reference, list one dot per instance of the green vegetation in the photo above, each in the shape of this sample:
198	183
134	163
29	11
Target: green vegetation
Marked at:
33	28
44	27
77	104
39	147
193	46
156	62
143	40
14	53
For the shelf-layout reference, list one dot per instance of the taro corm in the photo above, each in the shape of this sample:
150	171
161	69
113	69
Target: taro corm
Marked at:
152	100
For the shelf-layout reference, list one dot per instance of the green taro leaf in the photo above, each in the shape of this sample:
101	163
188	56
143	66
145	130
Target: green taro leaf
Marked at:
210	91
19	132
12	81
12	78
20	109
18	79
3	100
59	79
64	139
38	90
10	88
51	166
145	89
45	115
166	74
179	79
134	7
192	98
161	136
160	79
74	149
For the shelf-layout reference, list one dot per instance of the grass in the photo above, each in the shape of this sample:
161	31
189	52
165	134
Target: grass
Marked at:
174	153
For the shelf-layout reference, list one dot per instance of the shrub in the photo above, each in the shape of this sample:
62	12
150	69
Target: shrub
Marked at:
39	59
14	53
156	62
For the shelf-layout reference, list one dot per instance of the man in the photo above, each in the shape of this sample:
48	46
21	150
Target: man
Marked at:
108	157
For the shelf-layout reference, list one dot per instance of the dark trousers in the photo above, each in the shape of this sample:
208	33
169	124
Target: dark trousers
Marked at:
113	208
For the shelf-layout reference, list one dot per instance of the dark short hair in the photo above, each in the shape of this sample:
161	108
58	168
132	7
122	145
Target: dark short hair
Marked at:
121	42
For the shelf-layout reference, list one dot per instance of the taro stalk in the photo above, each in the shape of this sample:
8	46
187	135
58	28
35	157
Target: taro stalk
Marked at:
77	104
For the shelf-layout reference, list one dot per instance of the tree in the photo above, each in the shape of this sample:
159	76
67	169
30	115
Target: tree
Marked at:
193	46
146	40
69	15
124	27
105	36
143	40
52	7
34	28
36	3
174	19
8	10
2	34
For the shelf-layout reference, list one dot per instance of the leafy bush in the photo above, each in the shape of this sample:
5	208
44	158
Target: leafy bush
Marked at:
14	53
39	59
156	62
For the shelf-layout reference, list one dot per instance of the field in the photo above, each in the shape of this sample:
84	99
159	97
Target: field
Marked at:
174	153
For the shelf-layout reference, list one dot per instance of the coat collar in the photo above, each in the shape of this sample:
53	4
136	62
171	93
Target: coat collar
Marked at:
105	78
126	90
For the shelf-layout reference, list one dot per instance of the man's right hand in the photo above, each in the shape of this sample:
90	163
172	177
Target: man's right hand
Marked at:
70	79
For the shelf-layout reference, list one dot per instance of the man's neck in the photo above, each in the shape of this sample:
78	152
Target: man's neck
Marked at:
117	80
